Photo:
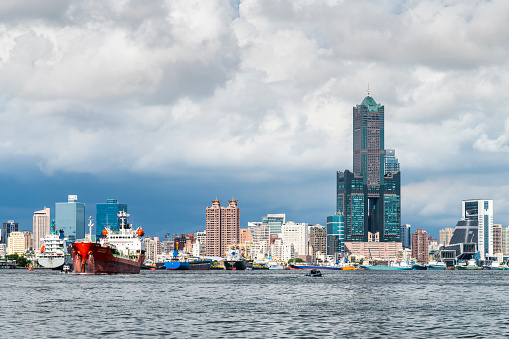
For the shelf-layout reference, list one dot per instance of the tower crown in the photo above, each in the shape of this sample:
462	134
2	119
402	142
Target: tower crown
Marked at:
370	103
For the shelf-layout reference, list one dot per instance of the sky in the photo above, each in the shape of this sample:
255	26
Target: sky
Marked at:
166	105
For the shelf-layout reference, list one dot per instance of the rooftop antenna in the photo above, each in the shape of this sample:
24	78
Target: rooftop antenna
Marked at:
368	89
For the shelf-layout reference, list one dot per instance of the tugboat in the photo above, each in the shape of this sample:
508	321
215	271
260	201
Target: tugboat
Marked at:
314	273
234	260
117	252
54	253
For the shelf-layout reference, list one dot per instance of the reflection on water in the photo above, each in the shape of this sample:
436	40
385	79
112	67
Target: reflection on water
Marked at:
255	304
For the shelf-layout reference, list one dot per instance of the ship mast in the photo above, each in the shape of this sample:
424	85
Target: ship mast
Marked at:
90	224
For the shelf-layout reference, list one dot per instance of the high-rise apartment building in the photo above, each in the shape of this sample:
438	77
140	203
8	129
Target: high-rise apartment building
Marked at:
482	212
445	236
70	217
406	236
497	238
245	236
222	227
505	240
296	234
40	226
369	200
391	162
420	240
106	216
335	234
317	240
274	221
7	228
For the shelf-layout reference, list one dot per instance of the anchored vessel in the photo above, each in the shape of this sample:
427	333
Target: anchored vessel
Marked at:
235	261
54	253
117	252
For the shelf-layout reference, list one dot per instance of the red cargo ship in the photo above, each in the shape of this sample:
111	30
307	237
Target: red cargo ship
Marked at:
117	252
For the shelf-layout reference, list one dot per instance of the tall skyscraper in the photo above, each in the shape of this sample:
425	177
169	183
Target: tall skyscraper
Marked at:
41	226
222	227
369	200
7	228
275	221
406	237
482	212
335	234
106	216
391	162
70	217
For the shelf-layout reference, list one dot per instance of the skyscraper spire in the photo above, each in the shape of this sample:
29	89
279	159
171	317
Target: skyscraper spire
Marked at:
368	89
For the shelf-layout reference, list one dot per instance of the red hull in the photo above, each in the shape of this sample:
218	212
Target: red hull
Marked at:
93	258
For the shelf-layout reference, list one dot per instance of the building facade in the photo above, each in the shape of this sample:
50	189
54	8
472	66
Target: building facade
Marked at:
298	235
445	236
41	223
497	238
7	228
391	162
420	240
317	240
373	250
275	222
106	216
19	242
505	240
406	236
335	234
70	217
482	212
222	227
369	199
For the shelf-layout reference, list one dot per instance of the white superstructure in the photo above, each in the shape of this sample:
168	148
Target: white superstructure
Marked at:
126	241
53	252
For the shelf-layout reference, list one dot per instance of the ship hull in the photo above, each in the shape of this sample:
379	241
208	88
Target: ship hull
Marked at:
235	265
386	268
299	267
55	263
92	258
441	268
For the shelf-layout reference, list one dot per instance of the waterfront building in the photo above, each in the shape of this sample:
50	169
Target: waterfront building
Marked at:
152	249
373	249
505	240
70	217
287	251
201	236
41	223
3	250
222	227
245	236
406	236
445	236
276	249
317	240
19	242
275	222
497	238
369	199
335	234
106	216
298	235
481	210
420	240
7	228
391	162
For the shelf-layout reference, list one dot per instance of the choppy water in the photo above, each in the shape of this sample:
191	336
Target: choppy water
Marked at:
255	304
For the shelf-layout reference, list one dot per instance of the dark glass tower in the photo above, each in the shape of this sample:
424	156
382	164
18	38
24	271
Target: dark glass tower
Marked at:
369	200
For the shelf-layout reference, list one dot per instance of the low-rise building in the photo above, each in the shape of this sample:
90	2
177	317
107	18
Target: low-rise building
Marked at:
19	242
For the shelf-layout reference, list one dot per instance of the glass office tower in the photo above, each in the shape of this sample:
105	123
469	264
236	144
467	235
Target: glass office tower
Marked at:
70	217
369	199
106	216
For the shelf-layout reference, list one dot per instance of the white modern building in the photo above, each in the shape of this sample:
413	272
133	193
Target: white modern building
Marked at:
296	234
481	210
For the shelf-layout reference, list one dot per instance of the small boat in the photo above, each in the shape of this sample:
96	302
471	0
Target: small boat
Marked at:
314	273
274	265
66	269
419	267
495	265
436	265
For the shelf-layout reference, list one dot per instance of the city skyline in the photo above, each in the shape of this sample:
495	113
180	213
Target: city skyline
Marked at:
149	104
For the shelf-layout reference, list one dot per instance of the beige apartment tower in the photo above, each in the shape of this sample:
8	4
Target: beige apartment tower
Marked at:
222	227
445	236
41	227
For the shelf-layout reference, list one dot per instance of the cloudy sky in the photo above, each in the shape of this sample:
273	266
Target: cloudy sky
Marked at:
165	105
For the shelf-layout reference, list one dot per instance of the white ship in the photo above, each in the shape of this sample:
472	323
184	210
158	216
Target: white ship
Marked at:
54	251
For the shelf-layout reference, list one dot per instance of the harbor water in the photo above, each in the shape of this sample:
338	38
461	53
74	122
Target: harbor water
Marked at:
255	304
